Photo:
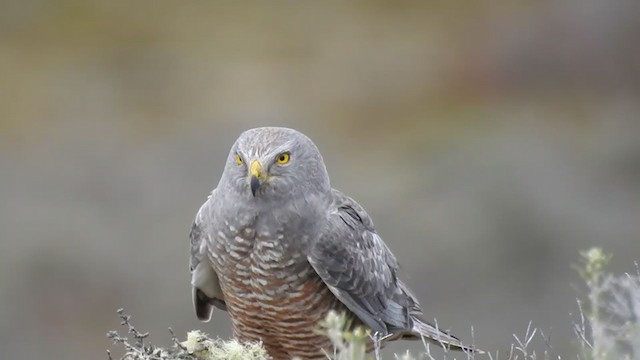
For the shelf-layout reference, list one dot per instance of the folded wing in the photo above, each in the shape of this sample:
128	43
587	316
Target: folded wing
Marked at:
206	291
360	270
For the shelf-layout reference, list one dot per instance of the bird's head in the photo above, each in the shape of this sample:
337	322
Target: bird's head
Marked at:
275	163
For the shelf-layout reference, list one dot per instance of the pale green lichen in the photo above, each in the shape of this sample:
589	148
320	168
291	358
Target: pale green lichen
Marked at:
199	345
348	345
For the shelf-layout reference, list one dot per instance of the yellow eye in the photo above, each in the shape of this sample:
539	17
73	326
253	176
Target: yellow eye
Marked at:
283	158
239	160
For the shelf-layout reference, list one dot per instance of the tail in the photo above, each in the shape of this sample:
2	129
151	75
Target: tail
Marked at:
419	329
422	330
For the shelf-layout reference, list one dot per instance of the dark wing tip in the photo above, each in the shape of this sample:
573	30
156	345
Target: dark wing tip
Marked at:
202	305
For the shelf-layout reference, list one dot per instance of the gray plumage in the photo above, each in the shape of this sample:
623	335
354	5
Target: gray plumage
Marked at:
277	247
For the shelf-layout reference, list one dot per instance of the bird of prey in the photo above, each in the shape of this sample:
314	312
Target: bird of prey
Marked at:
277	248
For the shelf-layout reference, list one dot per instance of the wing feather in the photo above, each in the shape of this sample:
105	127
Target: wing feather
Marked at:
360	270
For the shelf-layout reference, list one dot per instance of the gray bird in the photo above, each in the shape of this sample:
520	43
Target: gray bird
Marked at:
277	248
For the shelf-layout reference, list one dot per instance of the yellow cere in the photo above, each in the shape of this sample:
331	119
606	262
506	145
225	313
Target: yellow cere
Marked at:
256	169
239	160
283	158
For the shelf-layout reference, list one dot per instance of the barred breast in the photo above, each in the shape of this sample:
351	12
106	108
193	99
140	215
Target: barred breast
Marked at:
272	293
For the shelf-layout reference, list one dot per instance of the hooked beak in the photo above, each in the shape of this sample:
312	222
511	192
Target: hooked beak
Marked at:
257	176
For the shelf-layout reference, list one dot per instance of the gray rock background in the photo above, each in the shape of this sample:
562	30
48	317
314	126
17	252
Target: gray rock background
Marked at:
490	141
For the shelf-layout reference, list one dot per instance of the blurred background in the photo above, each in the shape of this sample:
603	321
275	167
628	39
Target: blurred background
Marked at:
489	141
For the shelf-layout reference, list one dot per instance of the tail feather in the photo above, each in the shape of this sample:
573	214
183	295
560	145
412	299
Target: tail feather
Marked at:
423	330
441	337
